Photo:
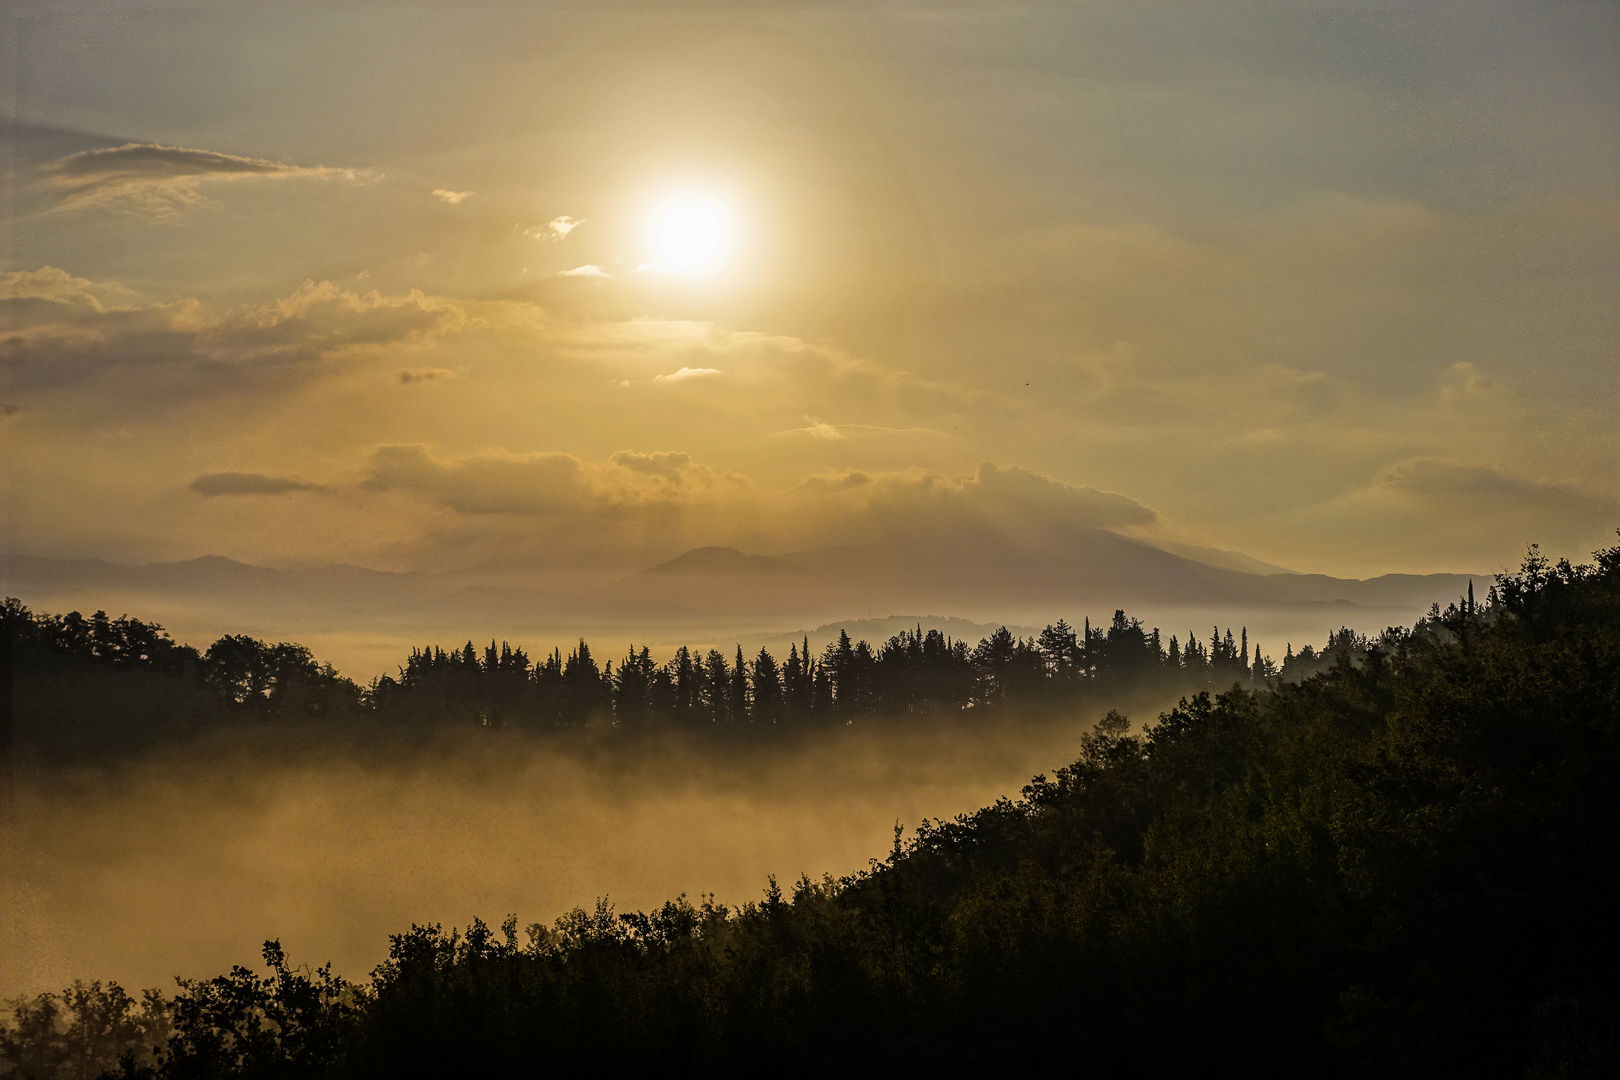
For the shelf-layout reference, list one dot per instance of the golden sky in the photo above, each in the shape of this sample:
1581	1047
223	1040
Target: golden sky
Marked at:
563	292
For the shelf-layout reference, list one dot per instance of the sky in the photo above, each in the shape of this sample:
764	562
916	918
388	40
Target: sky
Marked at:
561	292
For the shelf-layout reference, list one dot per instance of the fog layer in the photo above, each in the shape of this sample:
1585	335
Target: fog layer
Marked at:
183	861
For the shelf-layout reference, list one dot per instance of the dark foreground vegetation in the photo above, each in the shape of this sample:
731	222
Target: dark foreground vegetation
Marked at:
1407	864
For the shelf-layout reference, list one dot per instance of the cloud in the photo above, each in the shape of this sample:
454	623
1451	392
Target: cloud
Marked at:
1001	488
452	197
588	270
236	483
156	181
493	483
407	376
562	225
816	429
836	480
1464	384
555	229
542	484
1006	498
687	373
671	466
1465	513
62	329
562	512
1485	486
820	429
51	283
556	513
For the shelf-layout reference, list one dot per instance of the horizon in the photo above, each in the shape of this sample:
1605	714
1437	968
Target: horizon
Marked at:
367	634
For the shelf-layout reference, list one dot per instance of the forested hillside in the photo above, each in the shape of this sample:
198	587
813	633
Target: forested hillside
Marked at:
1406	864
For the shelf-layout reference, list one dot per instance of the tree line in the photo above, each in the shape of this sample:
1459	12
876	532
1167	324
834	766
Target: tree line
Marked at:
1404	865
914	672
240	670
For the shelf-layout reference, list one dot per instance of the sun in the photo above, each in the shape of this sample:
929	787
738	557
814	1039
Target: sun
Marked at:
689	235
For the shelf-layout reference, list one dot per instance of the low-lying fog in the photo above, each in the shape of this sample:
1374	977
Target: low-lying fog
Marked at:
184	861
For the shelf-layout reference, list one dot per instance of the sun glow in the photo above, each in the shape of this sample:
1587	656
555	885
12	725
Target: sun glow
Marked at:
689	235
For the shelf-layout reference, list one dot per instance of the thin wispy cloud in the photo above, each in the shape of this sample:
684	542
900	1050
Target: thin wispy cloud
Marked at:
820	429
686	374
588	270
452	197
152	180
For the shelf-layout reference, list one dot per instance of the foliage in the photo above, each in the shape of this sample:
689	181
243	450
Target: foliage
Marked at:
102	685
96	686
85	1031
913	673
1404	865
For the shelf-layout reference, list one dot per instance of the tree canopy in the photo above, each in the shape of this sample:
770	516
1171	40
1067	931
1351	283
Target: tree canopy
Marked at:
1405	864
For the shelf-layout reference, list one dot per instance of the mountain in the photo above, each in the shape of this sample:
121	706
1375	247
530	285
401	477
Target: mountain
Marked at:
1220	558
713	581
364	619
993	576
1094	568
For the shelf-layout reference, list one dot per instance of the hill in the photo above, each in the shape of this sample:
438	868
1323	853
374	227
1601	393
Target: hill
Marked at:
1405	865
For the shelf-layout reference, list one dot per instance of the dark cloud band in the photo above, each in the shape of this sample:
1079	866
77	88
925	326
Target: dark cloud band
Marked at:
238	483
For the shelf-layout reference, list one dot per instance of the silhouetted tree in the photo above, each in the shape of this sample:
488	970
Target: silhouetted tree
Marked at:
582	680
715	689
768	699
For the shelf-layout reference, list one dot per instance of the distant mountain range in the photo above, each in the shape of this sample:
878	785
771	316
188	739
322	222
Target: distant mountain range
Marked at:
1101	569
366	621
1095	570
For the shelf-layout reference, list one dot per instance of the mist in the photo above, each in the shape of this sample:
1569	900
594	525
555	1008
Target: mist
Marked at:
183	860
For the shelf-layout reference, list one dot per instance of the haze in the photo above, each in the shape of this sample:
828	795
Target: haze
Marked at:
373	327
183	862
1333	288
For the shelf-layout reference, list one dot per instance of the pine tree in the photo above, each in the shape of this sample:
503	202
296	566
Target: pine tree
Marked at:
631	689
716	688
582	682
768	679
683	668
795	686
821	693
838	662
738	705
